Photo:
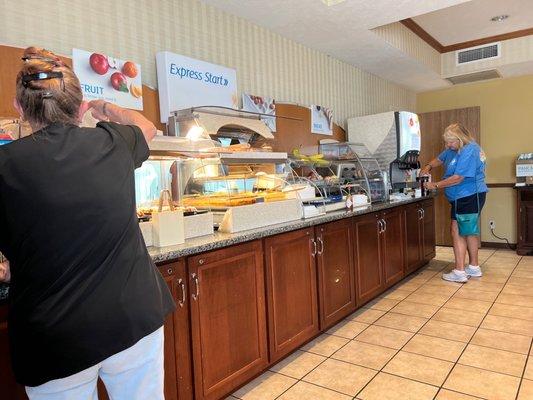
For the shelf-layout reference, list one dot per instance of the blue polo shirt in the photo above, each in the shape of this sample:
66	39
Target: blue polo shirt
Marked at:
469	162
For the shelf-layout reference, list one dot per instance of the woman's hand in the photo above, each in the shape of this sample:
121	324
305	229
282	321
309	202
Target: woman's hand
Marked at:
5	272
430	185
425	170
97	107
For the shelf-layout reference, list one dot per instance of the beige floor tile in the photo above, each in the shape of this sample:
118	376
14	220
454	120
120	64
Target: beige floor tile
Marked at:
517	290
402	322
495	360
298	364
526	390
304	390
420	368
438	281
481	284
515	300
386	337
468	293
528	374
340	376
507	310
502	341
381	304
390	387
431	288
468	305
445	394
366	315
397	294
347	329
427	298
325	344
462	317
415	309
266	387
430	346
486	384
495	277
364	354
511	325
408	286
513	280
447	330
523	273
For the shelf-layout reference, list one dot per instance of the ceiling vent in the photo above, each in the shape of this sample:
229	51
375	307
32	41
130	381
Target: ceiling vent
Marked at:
474	77
478	53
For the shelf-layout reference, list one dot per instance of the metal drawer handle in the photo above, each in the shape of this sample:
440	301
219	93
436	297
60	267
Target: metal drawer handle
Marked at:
196	281
423	213
181	302
321	246
380	226
384	225
314	248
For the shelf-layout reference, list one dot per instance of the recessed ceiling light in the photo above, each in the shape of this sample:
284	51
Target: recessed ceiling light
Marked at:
332	2
499	18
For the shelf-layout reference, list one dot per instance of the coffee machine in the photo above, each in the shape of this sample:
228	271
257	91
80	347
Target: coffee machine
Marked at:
394	139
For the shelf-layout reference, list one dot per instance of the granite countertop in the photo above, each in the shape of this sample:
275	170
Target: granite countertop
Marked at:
219	239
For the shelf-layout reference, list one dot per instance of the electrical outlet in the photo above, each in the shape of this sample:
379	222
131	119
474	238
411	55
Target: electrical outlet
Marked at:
492	224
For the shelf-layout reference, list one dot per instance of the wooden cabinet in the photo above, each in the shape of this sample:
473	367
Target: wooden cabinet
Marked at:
336	275
524	209
367	257
227	318
413	237
392	247
428	230
178	374
291	290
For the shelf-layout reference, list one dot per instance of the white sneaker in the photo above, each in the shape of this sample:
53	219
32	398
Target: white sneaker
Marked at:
455	276
473	271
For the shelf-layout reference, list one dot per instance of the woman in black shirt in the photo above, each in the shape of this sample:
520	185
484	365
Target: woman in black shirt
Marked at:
84	293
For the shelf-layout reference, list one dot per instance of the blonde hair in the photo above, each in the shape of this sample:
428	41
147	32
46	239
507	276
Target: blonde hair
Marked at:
459	132
45	101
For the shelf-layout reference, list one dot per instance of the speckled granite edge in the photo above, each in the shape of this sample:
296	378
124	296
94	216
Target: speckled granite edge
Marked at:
219	240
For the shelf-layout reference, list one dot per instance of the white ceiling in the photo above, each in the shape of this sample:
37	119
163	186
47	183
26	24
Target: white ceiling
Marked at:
471	20
343	31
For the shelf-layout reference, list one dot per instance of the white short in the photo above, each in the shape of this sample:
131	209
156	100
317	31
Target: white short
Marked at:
133	374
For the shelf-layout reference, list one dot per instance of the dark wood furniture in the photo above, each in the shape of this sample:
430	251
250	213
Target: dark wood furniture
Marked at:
242	308
524	209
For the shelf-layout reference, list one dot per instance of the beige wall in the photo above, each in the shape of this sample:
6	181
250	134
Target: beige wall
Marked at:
506	130
266	63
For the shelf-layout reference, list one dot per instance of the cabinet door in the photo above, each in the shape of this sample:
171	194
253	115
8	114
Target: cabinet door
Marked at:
428	235
336	280
178	374
368	264
291	291
392	247
413	237
228	318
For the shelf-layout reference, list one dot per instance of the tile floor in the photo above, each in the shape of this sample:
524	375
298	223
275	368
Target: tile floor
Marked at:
423	339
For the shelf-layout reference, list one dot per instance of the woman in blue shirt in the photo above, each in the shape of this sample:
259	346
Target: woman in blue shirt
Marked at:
464	186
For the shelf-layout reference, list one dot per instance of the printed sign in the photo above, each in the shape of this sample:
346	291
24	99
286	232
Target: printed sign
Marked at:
185	82
263	105
107	78
321	120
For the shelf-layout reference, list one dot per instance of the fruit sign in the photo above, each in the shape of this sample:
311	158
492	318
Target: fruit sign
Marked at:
107	78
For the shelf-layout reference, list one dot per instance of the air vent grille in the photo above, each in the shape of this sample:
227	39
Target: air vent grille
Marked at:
478	53
474	77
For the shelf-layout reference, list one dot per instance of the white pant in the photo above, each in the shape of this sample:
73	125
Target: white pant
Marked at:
133	374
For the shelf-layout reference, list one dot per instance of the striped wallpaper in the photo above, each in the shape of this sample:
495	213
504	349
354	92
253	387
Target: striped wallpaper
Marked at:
266	63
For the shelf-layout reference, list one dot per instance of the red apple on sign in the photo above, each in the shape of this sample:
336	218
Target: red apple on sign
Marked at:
119	82
99	63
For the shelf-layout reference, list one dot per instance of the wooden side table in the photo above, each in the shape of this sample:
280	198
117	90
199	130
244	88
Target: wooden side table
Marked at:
524	224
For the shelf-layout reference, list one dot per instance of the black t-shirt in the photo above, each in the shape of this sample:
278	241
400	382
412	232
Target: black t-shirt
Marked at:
83	286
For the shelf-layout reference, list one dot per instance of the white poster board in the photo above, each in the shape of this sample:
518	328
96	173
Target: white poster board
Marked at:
321	120
185	82
107	78
263	105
